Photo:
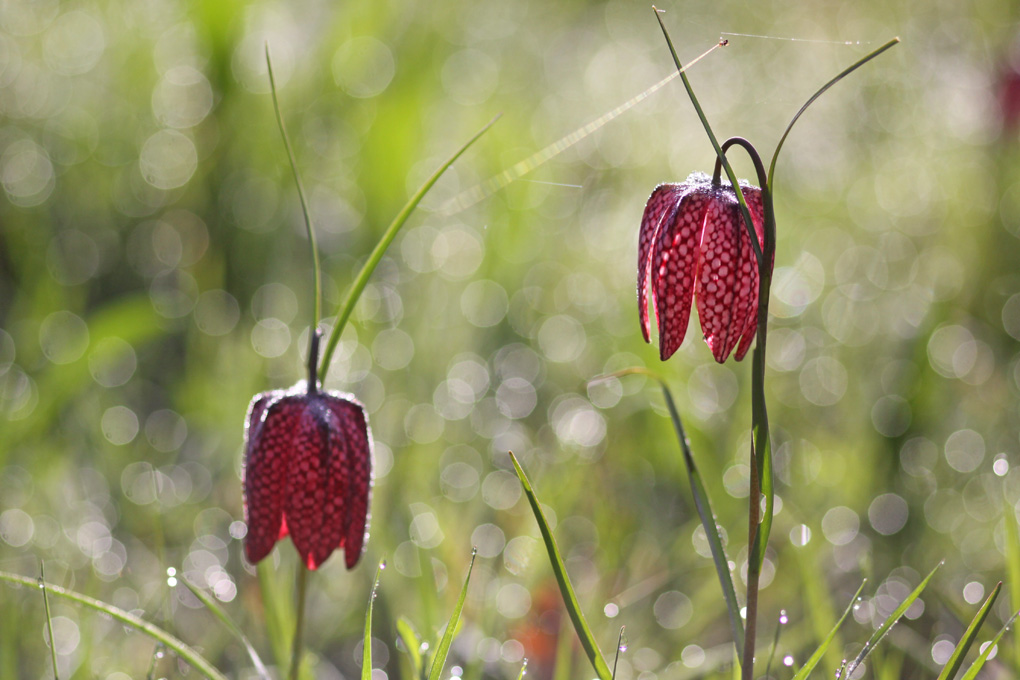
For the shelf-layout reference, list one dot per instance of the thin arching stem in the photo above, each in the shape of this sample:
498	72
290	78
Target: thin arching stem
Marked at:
312	243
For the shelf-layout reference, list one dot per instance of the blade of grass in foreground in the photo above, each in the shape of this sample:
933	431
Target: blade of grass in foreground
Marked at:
956	660
225	619
704	508
184	651
380	249
439	660
884	628
987	651
1013	569
278	612
366	656
413	644
810	664
49	619
591	647
701	503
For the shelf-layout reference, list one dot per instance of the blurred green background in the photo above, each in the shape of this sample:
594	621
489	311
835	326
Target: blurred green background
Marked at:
154	276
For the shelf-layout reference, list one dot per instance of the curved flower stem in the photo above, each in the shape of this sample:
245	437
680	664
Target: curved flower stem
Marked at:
312	243
380	249
298	647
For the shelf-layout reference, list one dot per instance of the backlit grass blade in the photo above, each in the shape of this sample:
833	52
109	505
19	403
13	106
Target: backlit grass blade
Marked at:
956	660
443	650
380	249
366	655
413	644
701	502
524	670
278	613
591	647
1013	570
184	651
49	620
225	619
980	661
889	622
813	660
704	508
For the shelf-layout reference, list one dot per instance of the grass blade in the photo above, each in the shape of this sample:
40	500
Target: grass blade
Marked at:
366	657
380	249
184	651
225	619
980	661
956	660
278	613
704	508
591	647
49	619
1013	569
847	71
439	660
889	622
312	243
413	644
810	664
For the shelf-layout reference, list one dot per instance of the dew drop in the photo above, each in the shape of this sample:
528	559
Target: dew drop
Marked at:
170	571
42	586
783	619
172	582
160	654
382	566
474	551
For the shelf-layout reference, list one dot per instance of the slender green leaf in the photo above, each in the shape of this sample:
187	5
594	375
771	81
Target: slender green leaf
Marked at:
704	508
312	243
225	619
1013	569
443	649
184	651
843	74
366	655
380	249
591	647
956	660
277	611
413	644
813	660
524	670
987	651
889	622
732	176
49	619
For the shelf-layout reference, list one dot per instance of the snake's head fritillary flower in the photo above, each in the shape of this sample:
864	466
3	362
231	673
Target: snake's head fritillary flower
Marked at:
307	473
693	246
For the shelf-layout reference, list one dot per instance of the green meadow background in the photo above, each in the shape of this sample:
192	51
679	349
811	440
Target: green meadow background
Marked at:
154	276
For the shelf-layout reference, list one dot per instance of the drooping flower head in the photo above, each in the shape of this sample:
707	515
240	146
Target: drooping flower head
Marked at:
307	473
693	245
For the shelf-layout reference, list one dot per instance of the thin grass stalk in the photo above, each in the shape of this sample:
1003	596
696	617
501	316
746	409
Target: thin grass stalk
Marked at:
188	654
312	243
354	294
49	619
299	624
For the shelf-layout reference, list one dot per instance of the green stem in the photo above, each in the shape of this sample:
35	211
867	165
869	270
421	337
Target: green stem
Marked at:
298	647
850	69
312	243
748	224
49	620
380	249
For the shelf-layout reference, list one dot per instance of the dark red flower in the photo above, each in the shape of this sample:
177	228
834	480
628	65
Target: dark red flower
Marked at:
307	473
693	245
